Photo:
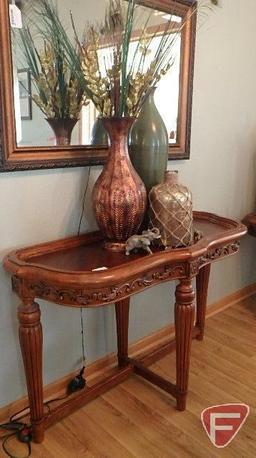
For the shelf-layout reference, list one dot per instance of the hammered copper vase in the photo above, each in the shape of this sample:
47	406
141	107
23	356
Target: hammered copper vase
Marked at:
62	129
171	211
119	195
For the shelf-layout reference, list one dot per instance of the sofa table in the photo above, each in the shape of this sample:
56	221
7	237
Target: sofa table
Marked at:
66	272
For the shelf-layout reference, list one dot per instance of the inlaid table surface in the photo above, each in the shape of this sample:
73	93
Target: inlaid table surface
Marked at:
80	272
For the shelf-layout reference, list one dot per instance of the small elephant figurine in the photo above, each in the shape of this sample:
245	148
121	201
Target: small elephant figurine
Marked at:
197	235
142	241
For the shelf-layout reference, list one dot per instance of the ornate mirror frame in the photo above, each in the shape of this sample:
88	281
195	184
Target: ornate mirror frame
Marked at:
27	158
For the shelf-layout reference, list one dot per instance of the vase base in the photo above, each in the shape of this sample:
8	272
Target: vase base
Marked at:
114	246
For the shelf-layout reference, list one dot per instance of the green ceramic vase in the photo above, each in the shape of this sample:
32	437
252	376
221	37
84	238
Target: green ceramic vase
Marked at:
99	134
148	144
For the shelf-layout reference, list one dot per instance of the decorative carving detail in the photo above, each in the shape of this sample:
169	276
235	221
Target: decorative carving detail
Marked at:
16	284
213	255
170	273
85	297
6	166
22	289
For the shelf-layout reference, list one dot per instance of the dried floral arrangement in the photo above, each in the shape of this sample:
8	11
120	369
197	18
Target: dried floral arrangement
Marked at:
119	84
59	95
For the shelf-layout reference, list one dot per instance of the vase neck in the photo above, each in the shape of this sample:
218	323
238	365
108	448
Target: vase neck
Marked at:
171	177
149	99
118	130
62	129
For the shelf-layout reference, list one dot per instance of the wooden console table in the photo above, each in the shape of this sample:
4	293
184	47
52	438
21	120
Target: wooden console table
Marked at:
63	272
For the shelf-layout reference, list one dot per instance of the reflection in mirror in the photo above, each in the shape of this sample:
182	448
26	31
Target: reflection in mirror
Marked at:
32	128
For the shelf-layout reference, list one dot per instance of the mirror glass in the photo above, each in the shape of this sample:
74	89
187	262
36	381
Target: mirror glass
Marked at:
32	128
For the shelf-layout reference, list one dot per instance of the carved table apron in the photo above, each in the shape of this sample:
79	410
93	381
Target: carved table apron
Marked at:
63	272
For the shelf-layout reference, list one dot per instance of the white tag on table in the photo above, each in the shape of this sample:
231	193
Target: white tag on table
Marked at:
99	268
15	17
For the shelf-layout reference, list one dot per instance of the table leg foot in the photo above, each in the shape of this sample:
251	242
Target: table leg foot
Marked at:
202	281
38	432
181	402
122	325
31	341
184	321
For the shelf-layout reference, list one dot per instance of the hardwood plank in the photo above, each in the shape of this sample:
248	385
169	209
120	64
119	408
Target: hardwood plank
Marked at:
94	436
231	370
116	423
241	312
63	443
242	360
210	394
220	335
187	423
160	429
232	334
238	328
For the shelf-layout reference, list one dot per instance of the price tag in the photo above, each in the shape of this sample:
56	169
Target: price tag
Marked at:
99	268
15	17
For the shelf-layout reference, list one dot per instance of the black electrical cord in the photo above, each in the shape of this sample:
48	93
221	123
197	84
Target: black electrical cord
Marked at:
82	335
48	403
21	430
84	200
13	417
6	440
78	233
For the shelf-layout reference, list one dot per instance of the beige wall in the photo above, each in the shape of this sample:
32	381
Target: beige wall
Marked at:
42	205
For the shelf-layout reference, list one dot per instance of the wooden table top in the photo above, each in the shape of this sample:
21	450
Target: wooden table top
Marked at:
71	262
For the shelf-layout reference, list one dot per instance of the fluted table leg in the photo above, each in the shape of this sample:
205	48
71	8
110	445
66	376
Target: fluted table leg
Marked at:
31	342
202	281
122	324
184	320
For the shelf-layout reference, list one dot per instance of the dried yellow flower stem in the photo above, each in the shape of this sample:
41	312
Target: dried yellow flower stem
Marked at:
48	99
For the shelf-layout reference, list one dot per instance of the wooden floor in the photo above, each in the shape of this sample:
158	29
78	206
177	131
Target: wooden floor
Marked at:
138	420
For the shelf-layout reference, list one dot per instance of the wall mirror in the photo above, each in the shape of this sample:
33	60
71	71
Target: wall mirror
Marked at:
28	141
